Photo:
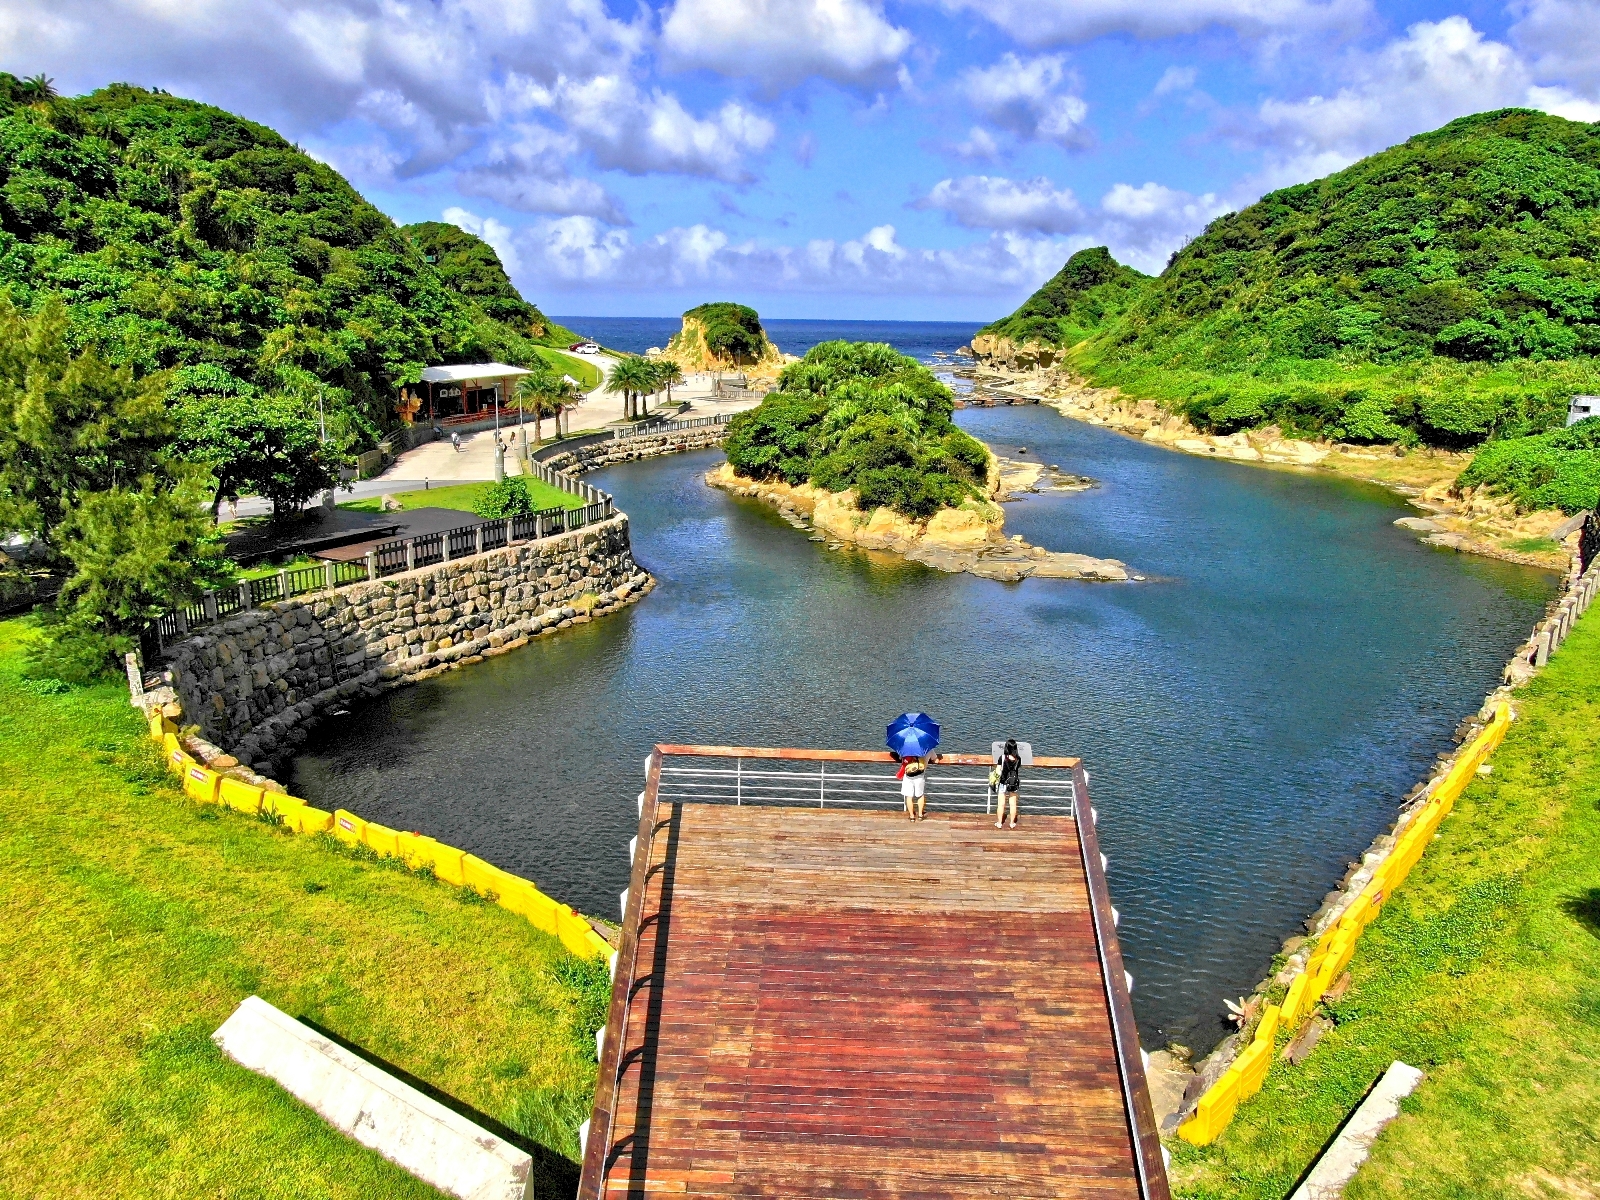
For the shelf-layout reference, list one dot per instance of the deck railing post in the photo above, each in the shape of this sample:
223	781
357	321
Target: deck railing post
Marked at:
283	584
822	786
327	574
478	539
411	554
210	605
372	565
508	530
444	544
738	781
246	595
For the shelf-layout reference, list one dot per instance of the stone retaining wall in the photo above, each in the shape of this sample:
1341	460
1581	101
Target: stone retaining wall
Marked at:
255	681
628	449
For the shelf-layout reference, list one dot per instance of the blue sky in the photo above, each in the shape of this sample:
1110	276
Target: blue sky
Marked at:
824	158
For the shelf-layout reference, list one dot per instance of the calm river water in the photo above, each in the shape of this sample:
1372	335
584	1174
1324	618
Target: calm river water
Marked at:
1250	717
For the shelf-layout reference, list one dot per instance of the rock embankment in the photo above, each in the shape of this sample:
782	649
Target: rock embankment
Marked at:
968	538
1468	520
256	681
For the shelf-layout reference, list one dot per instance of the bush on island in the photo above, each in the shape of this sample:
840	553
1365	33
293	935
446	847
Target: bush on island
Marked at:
732	331
861	415
1559	469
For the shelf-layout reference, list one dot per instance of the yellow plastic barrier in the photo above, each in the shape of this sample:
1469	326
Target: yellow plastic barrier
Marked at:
1333	954
1294	1004
200	783
178	759
484	878
447	864
522	898
382	839
348	827
414	849
1215	1110
279	804
305	819
235	793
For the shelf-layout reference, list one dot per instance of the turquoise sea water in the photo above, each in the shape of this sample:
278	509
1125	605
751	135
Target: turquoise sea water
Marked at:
1250	717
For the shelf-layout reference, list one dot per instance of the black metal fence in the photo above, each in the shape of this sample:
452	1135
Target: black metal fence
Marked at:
387	558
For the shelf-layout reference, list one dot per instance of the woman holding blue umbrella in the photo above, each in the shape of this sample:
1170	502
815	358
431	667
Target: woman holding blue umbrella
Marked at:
911	739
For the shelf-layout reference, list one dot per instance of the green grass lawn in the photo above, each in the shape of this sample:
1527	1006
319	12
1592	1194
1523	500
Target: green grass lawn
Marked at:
583	370
132	922
1484	971
462	495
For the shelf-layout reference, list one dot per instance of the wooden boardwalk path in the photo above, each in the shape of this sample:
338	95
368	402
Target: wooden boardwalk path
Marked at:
842	1003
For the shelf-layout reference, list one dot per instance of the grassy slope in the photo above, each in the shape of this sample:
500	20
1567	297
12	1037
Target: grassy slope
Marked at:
586	373
462	495
1484	970
132	923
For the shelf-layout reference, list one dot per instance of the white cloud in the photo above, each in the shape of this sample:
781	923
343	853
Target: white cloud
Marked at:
1563	103
1033	98
1175	79
1142	225
994	202
1051	22
1562	41
416	71
1438	71
782	42
579	253
638	132
980	146
526	169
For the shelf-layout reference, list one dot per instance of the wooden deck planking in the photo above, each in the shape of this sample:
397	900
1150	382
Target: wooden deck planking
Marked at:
843	1004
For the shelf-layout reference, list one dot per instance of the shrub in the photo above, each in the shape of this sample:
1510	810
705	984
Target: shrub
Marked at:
508	498
1559	469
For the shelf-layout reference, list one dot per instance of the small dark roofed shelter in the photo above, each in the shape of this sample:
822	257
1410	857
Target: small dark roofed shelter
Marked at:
814	997
467	392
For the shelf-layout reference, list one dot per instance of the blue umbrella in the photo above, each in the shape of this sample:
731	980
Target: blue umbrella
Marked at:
913	734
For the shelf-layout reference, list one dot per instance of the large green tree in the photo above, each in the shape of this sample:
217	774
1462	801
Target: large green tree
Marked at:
269	446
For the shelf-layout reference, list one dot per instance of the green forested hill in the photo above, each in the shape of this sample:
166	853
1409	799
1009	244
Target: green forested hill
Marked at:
1445	290
181	236
469	266
1091	289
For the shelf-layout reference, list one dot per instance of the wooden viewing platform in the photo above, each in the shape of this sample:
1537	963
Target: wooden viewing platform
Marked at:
815	997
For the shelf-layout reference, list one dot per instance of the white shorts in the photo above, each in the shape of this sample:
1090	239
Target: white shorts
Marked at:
914	787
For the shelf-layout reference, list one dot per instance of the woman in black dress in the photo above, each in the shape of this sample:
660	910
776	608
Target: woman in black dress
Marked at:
1010	767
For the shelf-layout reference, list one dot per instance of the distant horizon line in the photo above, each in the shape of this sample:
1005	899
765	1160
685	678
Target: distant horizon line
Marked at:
564	317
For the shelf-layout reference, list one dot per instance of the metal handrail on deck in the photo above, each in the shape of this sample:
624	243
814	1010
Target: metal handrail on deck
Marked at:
954	787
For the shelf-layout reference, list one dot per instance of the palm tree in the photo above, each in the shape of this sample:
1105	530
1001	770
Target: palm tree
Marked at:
670	373
542	393
632	376
38	89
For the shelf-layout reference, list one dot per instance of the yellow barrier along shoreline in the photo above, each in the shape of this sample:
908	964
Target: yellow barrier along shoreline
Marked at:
415	850
1337	946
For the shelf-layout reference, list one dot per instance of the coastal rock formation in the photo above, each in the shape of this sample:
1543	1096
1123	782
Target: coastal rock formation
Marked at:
967	539
995	351
724	337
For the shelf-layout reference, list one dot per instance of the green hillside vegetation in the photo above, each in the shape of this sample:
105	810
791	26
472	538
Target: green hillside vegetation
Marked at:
732	331
1444	292
861	415
1090	290
184	238
469	266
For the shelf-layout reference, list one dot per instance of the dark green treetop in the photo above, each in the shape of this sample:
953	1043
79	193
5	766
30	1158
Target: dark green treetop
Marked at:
1083	296
730	329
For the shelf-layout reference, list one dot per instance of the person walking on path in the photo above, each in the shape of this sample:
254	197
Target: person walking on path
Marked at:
455	442
1010	782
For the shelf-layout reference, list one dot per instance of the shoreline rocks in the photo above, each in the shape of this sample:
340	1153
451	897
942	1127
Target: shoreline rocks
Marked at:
966	539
